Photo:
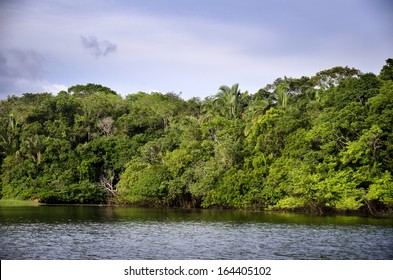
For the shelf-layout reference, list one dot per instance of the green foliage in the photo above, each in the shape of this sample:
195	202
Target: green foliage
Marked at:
143	182
82	192
17	203
229	101
315	144
387	70
382	189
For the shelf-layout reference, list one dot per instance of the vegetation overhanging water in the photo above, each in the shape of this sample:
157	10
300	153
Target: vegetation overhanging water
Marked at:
319	144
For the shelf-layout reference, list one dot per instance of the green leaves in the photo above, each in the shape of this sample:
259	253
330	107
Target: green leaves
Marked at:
386	73
316	144
230	101
363	151
382	189
143	182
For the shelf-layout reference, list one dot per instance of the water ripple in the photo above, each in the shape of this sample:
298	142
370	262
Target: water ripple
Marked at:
192	239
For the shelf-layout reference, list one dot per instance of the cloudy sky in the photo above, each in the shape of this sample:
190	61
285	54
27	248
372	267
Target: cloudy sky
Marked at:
187	46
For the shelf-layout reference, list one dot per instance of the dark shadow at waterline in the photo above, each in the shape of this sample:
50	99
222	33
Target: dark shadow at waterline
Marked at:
76	232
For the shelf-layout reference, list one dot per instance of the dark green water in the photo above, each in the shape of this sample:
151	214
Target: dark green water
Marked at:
76	232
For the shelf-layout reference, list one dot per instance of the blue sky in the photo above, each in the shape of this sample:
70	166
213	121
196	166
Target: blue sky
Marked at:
187	46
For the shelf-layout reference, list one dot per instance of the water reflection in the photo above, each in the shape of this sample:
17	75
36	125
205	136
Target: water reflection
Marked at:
74	232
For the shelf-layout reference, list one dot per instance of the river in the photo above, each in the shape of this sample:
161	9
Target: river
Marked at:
110	233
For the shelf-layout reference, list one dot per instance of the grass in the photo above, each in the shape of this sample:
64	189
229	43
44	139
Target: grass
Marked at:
17	202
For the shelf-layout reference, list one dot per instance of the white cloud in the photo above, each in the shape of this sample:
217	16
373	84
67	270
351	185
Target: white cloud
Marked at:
190	52
17	86
53	88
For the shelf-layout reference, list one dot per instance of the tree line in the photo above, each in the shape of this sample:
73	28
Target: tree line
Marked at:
319	144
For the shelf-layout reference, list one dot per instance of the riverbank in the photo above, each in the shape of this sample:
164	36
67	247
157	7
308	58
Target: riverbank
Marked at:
18	202
305	211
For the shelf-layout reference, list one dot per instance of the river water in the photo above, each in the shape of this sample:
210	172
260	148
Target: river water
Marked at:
109	233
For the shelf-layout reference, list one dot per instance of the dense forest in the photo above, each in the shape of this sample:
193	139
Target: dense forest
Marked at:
319	144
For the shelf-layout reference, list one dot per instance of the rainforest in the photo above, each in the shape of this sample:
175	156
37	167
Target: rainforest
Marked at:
319	144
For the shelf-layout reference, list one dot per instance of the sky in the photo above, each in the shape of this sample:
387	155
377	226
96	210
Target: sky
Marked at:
188	47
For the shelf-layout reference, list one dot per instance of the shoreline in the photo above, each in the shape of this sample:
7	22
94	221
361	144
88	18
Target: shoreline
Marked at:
331	212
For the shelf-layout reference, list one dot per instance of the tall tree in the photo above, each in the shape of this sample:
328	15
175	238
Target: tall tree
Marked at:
229	100
386	73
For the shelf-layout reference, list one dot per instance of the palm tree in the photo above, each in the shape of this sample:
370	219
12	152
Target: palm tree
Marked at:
9	135
258	108
207	110
229	99
34	147
255	110
282	95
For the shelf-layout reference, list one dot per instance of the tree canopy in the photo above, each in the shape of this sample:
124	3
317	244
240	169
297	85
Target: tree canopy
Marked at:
320	144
